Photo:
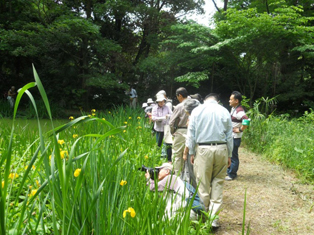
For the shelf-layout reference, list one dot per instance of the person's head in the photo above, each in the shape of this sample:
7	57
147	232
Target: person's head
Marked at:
12	88
164	170
144	105
197	97
150	101
235	99
181	94
190	104
162	92
212	96
160	100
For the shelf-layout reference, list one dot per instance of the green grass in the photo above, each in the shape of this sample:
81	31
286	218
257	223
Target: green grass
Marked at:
288	142
63	177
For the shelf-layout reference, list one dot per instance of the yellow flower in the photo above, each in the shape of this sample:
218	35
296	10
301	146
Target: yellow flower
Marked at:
138	117
37	183
129	210
13	175
89	115
77	172
61	142
93	110
63	154
75	136
124	131
71	118
109	112
30	187
93	114
125	122
123	182
146	157
130	117
2	183
32	167
49	157
33	192
104	119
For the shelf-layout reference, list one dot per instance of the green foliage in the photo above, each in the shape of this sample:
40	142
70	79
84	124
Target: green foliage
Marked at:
284	141
81	176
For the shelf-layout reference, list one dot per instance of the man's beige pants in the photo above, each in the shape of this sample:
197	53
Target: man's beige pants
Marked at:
210	167
177	150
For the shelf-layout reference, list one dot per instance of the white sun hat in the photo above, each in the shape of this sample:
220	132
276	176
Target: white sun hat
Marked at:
160	98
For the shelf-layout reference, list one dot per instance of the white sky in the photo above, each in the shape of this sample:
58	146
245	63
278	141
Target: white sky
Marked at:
209	12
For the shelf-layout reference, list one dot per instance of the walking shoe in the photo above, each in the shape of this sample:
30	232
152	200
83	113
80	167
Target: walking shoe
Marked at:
215	223
228	178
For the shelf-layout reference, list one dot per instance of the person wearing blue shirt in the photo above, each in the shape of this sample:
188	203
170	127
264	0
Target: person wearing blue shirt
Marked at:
210	143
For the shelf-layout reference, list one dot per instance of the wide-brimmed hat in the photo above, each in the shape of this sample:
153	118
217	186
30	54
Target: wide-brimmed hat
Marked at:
144	105
166	166
160	98
162	92
150	101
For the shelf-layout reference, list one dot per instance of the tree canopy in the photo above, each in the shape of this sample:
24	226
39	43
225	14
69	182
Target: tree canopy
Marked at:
88	52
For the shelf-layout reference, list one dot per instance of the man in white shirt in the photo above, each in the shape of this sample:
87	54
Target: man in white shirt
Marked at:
210	137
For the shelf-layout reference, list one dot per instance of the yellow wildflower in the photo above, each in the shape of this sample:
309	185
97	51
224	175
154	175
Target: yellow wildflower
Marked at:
30	187
75	136
123	182
89	115
37	183
61	142
49	157
104	119
129	210
71	118
32	167
124	131
138	117
125	122
2	183
13	175
77	172
93	110
93	114
109	112
63	154
33	192
146	157
130	117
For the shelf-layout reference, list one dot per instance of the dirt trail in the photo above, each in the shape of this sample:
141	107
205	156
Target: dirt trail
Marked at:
276	202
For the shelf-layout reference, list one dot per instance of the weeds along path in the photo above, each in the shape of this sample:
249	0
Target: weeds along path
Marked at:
277	203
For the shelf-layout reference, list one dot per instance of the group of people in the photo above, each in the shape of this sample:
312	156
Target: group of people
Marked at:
205	139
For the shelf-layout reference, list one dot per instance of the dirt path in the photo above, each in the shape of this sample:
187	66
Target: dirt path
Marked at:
276	202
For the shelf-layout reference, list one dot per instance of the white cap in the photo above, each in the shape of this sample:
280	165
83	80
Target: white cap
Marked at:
144	105
167	166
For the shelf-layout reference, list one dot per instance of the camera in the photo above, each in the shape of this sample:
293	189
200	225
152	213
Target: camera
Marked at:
153	172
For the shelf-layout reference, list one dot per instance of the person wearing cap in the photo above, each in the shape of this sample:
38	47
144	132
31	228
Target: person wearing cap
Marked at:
144	106
178	121
180	192
160	117
167	144
237	116
210	143
168	101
